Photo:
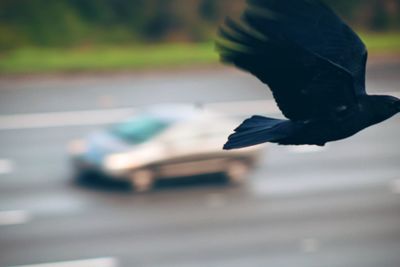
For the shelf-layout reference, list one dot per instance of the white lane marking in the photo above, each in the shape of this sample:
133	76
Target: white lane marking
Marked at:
99	262
14	217
6	166
309	245
55	203
62	119
395	186
105	116
306	149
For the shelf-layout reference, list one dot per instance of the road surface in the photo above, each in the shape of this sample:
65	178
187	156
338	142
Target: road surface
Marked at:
334	207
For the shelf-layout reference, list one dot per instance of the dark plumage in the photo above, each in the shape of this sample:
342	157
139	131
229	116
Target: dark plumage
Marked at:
315	66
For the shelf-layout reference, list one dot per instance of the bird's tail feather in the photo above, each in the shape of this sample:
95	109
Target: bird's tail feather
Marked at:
258	130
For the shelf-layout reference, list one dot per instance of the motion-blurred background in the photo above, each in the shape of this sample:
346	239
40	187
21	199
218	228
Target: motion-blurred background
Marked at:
70	69
68	35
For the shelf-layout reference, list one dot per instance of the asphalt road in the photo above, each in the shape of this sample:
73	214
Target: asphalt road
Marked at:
303	207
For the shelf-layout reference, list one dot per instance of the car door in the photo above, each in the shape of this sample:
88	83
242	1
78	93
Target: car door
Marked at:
194	148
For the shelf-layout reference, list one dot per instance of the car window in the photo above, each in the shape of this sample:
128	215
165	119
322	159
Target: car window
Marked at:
140	129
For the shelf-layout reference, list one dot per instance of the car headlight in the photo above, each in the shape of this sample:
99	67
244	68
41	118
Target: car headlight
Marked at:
77	147
118	162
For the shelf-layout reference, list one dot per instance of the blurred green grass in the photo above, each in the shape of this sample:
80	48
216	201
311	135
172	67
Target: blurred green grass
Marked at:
111	58
39	60
382	42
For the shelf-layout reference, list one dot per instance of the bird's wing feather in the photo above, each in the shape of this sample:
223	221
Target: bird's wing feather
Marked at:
314	26
305	84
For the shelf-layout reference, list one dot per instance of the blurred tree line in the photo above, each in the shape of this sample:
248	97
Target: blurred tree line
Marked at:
87	22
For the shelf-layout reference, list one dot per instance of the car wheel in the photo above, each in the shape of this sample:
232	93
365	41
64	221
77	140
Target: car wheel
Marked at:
142	180
237	171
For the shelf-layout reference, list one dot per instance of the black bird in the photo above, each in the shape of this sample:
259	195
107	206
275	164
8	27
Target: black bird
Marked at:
315	66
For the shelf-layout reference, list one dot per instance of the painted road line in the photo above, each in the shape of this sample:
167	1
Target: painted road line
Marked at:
62	119
14	217
98	262
106	116
6	166
49	204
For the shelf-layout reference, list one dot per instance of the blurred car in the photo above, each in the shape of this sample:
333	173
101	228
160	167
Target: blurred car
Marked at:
163	142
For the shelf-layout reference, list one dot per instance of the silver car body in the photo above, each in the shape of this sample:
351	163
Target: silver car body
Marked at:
191	145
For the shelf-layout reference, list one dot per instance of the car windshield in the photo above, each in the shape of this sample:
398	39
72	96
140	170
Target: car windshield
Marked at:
139	129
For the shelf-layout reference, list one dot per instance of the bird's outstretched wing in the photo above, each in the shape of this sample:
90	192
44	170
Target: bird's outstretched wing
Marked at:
312	61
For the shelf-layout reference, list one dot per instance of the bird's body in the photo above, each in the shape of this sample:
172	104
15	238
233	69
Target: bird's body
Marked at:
315	66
